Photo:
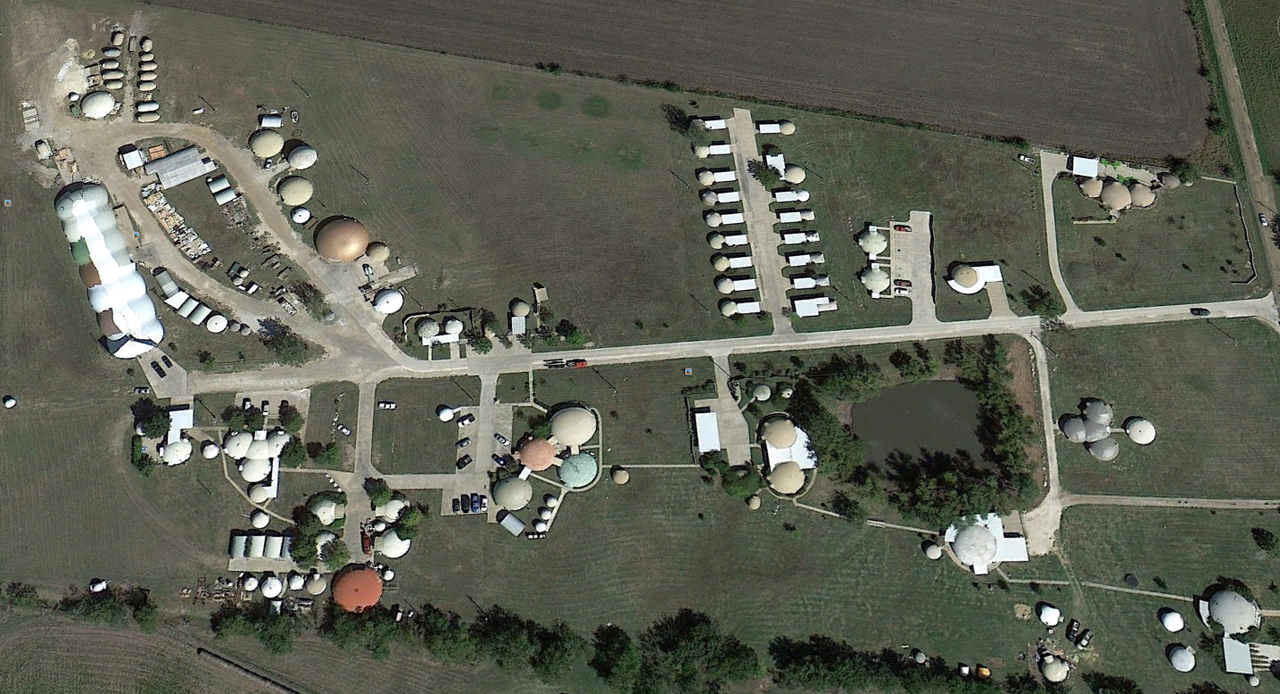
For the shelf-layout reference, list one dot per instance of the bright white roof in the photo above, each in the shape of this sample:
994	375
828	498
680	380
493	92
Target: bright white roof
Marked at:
87	218
1008	549
1236	654
1084	167
800	452
180	417
708	427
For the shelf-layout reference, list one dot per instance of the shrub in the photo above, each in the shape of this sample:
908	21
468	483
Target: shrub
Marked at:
327	455
294	454
291	419
1266	540
288	348
335	554
615	657
765	174
151	418
379	492
480	344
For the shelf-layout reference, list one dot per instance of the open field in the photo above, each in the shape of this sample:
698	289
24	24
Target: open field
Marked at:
1189	247
986	206
1212	402
1255	41
1080	73
410	438
645	421
331	400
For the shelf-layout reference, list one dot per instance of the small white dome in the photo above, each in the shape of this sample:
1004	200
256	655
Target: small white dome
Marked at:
1054	669
249	583
388	301
540	526
379	526
177	452
544	513
392	510
297	581
259	518
388	575
258	493
793	174
1182	659
445	413
1048	614
209	450
713	218
453	326
10	402
551	500
300	215
391	545
1171	620
933	551
1140	431
316	584
272	588
428	328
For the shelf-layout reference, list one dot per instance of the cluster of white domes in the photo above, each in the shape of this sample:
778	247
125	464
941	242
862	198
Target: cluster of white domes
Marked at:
1092	427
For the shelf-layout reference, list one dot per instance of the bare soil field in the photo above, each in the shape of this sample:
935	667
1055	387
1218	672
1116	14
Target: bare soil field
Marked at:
1116	78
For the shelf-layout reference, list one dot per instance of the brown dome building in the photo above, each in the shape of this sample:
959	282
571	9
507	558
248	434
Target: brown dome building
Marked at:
357	588
342	239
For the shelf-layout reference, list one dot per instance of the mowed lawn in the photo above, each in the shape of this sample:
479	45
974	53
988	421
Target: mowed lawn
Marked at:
1186	549
986	206
1255	43
411	438
645	422
1212	401
1188	247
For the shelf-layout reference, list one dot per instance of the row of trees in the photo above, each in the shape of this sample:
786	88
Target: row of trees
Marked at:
114	606
739	482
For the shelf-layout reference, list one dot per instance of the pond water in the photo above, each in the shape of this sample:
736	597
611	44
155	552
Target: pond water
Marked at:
936	415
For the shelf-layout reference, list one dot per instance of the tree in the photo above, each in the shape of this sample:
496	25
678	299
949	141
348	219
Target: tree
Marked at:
1183	169
1266	540
445	636
615	657
142	462
312	300
289	348
835	444
503	637
765	174
326	455
570	333
294	454
848	507
850	380
374	629
1041	301
290	419
378	491
151	418
480	344
407	524
918	366
241	419
306	528
1101	683
687	652
335	554
559	650
207	360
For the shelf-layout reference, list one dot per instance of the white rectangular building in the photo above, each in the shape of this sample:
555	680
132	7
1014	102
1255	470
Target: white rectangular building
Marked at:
707	427
812	306
719	149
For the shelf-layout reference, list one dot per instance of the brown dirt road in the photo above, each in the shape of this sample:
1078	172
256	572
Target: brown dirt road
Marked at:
1117	78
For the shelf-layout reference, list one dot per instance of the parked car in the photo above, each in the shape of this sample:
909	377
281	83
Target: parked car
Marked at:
1086	637
902	227
475	503
266	408
465	502
456	505
902	283
463	442
1199	311
499	459
577	363
386	405
464	461
1262	219
1073	630
500	438
484	503
1024	158
165	359
155	366
465	420
342	429
142	390
902	291
246	404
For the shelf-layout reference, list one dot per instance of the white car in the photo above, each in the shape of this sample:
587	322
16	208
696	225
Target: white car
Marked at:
466	420
386	405
342	429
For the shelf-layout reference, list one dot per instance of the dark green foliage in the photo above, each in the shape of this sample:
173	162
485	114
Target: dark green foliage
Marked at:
480	344
274	631
765	174
18	594
312	300
291	419
294	454
406	525
833	443
445	636
848	380
615	657
335	554
289	348
378	491
327	455
1266	540
512	641
687	652
1041	301
241	419
142	462
822	664
938	487
539	426
152	418
559	650
848	507
374	629
570	333
1183	169
918	366
1100	683
739	482
105	607
306	528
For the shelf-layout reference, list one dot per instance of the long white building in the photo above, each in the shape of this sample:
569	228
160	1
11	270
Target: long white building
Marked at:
117	292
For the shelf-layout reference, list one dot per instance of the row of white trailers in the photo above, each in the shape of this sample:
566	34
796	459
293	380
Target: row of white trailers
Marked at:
260	545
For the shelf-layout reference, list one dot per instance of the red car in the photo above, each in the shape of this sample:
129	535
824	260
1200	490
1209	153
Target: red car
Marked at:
901	227
577	363
366	542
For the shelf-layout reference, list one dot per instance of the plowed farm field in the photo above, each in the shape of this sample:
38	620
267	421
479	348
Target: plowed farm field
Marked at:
1116	78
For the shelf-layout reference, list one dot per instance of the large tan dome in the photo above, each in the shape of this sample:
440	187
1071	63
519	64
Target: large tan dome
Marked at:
1091	187
295	190
512	493
1116	197
1142	196
778	431
266	143
786	478
1169	180
965	276
573	426
342	240
378	252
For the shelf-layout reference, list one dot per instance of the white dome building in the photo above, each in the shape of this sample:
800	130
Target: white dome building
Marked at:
177	452
255	469
258	493
326	510
1049	615
259	519
872	242
390	512
97	105
428	328
1236	613
786	478
303	157
453	326
793	174
1054	669
209	450
297	581
300	215
875	280
1181	658
266	143
391	545
932	551
1098	411
573	426
272	588
445	413
975	546
1171	620
276	441
1073	428
1140	431
10	402
388	301
295	190
512	493
237	444
1105	449
249	583
316	584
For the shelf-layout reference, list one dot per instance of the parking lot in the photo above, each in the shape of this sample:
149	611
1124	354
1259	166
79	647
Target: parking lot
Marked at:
911	266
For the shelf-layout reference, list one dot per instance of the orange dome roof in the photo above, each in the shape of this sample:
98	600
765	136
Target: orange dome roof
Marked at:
537	454
357	588
342	239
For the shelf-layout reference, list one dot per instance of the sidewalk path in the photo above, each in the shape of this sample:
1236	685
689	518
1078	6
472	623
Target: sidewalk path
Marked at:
1051	164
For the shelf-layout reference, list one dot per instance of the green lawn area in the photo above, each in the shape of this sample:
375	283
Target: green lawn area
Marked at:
333	403
1186	549
1256	46
645	422
411	438
986	206
1212	402
1189	247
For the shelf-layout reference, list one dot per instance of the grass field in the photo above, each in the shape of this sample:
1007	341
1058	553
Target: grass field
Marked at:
1255	42
1189	247
410	438
986	206
645	422
1211	400
333	403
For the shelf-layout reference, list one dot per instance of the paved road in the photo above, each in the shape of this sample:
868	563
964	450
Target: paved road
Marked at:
755	206
1051	163
1259	186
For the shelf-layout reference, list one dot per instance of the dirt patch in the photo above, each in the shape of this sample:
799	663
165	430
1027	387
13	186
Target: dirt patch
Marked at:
1111	77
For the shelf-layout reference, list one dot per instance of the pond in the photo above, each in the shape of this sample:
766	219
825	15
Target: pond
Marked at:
935	415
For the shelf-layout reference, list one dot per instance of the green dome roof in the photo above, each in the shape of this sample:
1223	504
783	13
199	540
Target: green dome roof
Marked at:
579	470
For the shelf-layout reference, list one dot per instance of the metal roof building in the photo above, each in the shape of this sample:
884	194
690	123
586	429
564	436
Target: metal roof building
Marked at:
180	167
